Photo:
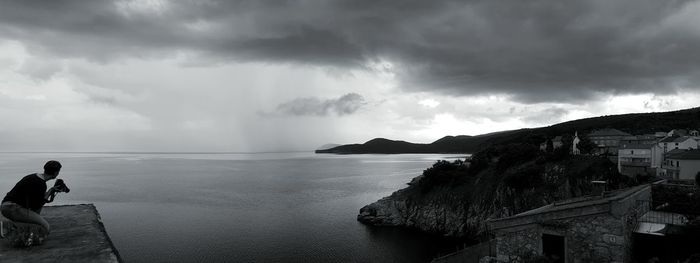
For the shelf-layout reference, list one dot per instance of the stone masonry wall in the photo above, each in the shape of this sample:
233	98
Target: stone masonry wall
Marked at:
510	247
588	239
595	239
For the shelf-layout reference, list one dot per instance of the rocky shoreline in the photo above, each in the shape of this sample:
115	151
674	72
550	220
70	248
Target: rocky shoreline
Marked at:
461	209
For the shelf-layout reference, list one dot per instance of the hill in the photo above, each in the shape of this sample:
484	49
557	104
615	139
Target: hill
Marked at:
634	123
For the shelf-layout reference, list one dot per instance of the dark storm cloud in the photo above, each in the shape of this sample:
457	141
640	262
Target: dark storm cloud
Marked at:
346	104
535	51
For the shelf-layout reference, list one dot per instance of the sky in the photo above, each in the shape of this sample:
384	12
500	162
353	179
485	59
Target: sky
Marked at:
275	75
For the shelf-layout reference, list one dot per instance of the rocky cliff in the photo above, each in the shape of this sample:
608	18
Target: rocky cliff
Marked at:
455	199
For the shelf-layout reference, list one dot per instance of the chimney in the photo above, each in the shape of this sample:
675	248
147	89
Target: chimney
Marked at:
599	188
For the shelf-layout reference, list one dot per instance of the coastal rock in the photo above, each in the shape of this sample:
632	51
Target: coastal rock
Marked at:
399	210
462	209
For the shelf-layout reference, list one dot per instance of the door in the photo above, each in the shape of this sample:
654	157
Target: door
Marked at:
554	248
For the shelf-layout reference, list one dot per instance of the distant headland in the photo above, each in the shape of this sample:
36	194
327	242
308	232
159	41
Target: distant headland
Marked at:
634	123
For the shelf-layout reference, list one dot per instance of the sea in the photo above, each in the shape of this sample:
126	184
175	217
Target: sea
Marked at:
240	207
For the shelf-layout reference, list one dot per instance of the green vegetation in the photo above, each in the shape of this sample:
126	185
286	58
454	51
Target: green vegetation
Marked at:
443	173
512	178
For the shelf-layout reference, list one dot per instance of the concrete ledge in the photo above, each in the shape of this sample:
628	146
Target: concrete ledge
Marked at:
77	235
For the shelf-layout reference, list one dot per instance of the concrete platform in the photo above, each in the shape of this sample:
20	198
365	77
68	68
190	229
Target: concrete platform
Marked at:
77	235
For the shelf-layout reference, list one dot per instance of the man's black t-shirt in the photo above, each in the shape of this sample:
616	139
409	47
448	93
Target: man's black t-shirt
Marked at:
28	192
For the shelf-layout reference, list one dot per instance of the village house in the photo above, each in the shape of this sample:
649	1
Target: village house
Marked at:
557	142
641	139
635	159
640	154
588	229
682	164
636	224
665	146
682	142
607	140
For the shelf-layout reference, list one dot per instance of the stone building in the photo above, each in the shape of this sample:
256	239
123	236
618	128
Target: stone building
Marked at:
658	222
607	140
588	229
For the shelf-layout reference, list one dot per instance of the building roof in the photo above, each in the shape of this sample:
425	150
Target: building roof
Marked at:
636	146
612	202
676	139
668	139
681	132
646	137
685	155
608	132
639	137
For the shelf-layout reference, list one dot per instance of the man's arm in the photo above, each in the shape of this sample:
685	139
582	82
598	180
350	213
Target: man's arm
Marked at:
50	194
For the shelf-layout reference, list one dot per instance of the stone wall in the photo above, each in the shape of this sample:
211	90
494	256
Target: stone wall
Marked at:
515	246
598	238
595	239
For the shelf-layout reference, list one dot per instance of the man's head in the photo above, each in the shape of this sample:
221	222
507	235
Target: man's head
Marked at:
52	168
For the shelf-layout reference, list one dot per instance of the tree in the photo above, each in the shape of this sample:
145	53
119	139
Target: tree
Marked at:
585	145
550	146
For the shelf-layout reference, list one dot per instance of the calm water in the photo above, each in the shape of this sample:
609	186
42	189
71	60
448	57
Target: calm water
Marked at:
274	207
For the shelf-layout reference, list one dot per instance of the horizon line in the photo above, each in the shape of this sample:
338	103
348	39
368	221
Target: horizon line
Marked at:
159	152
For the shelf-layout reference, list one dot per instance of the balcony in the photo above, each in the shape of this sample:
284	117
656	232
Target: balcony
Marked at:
635	164
670	167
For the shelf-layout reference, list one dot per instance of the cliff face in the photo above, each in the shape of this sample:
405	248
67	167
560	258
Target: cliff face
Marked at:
435	217
452	200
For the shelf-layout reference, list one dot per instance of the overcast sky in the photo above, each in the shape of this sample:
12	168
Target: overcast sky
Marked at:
277	75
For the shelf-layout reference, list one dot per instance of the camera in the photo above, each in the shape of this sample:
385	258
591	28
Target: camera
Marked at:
60	186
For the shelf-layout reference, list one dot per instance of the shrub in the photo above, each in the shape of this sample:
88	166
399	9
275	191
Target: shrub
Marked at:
529	176
442	173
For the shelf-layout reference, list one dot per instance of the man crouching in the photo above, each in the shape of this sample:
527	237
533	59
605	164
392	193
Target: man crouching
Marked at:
24	202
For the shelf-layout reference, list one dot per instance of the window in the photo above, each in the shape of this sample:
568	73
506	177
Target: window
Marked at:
632	152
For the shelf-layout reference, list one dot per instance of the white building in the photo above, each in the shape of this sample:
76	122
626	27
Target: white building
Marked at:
574	145
674	143
682	164
665	146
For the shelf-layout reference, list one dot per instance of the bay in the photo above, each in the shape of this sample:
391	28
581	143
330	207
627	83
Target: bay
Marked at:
230	207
